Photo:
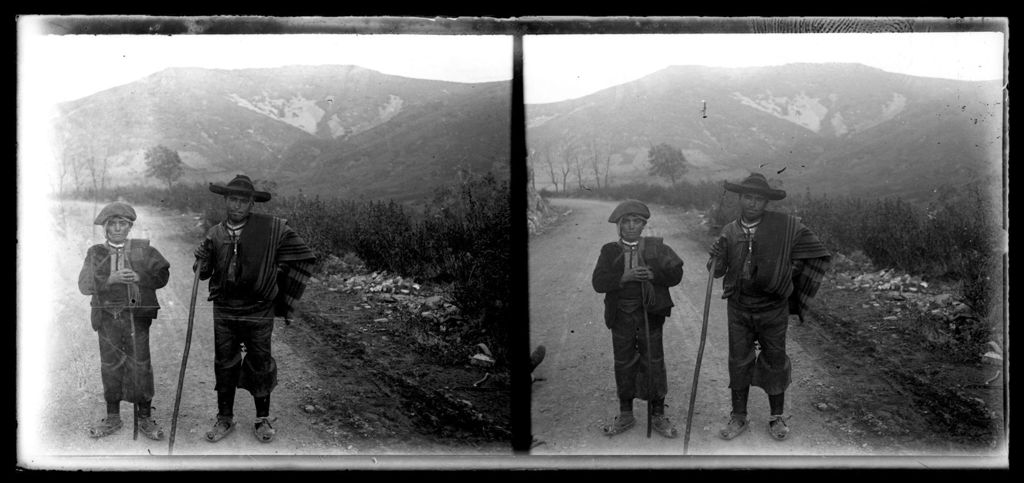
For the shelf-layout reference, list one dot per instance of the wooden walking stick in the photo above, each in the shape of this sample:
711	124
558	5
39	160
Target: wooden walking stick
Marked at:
712	266
650	376
700	352
134	373
184	359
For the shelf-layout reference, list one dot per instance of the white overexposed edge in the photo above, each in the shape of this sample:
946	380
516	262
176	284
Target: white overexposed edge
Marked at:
35	261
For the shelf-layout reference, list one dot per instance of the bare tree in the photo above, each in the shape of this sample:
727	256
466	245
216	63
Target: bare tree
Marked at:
62	173
531	162
563	149
550	161
607	165
98	173
565	168
577	164
70	165
600	159
63	170
77	171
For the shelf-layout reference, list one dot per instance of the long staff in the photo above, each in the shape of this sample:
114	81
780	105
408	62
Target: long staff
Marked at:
700	353
650	368
712	266
184	360
135	370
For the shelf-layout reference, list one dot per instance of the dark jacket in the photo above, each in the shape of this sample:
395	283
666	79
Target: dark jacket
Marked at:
660	258
146	261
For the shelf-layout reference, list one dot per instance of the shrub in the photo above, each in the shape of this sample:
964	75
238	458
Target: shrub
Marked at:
955	238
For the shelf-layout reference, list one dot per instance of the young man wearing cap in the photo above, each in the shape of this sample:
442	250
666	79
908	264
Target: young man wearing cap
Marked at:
258	267
122	276
773	265
635	273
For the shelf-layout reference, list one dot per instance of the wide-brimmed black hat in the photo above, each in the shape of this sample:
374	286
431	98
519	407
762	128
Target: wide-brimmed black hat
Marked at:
629	207
757	184
241	185
117	208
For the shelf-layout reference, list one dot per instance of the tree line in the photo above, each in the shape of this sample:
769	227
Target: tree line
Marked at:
76	172
589	163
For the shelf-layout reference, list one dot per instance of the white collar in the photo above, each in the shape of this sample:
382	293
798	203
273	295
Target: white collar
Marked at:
628	244
111	245
744	224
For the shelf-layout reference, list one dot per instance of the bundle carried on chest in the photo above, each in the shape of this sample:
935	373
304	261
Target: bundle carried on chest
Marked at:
115	299
780	241
647	254
273	262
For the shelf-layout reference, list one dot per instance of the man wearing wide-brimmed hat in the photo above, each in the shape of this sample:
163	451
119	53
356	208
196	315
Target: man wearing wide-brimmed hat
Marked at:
773	265
635	272
122	276
258	267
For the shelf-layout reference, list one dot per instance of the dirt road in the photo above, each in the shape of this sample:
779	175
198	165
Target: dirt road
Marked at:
577	395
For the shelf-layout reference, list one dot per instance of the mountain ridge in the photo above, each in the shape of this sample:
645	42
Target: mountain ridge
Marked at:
280	121
803	121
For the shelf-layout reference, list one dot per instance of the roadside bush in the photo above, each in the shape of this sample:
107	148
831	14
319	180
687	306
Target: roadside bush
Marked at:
462	239
955	238
468	232
965	233
960	340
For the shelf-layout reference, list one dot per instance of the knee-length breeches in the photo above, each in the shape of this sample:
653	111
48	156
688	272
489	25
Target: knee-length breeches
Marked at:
630	350
770	370
125	368
256	371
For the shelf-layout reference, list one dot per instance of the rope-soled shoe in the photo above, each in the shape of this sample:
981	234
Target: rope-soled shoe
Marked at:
737	425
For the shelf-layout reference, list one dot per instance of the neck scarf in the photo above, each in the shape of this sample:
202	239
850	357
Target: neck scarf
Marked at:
234	233
119	259
749	229
633	257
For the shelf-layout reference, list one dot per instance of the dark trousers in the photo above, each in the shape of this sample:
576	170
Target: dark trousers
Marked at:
770	370
256	371
630	349
125	368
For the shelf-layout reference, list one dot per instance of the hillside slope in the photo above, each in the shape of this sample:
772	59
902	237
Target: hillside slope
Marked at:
838	128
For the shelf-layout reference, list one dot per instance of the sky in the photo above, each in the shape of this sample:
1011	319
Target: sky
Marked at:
560	67
68	67
556	67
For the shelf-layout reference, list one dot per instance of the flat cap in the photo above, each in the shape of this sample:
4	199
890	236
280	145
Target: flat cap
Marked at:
117	208
629	207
